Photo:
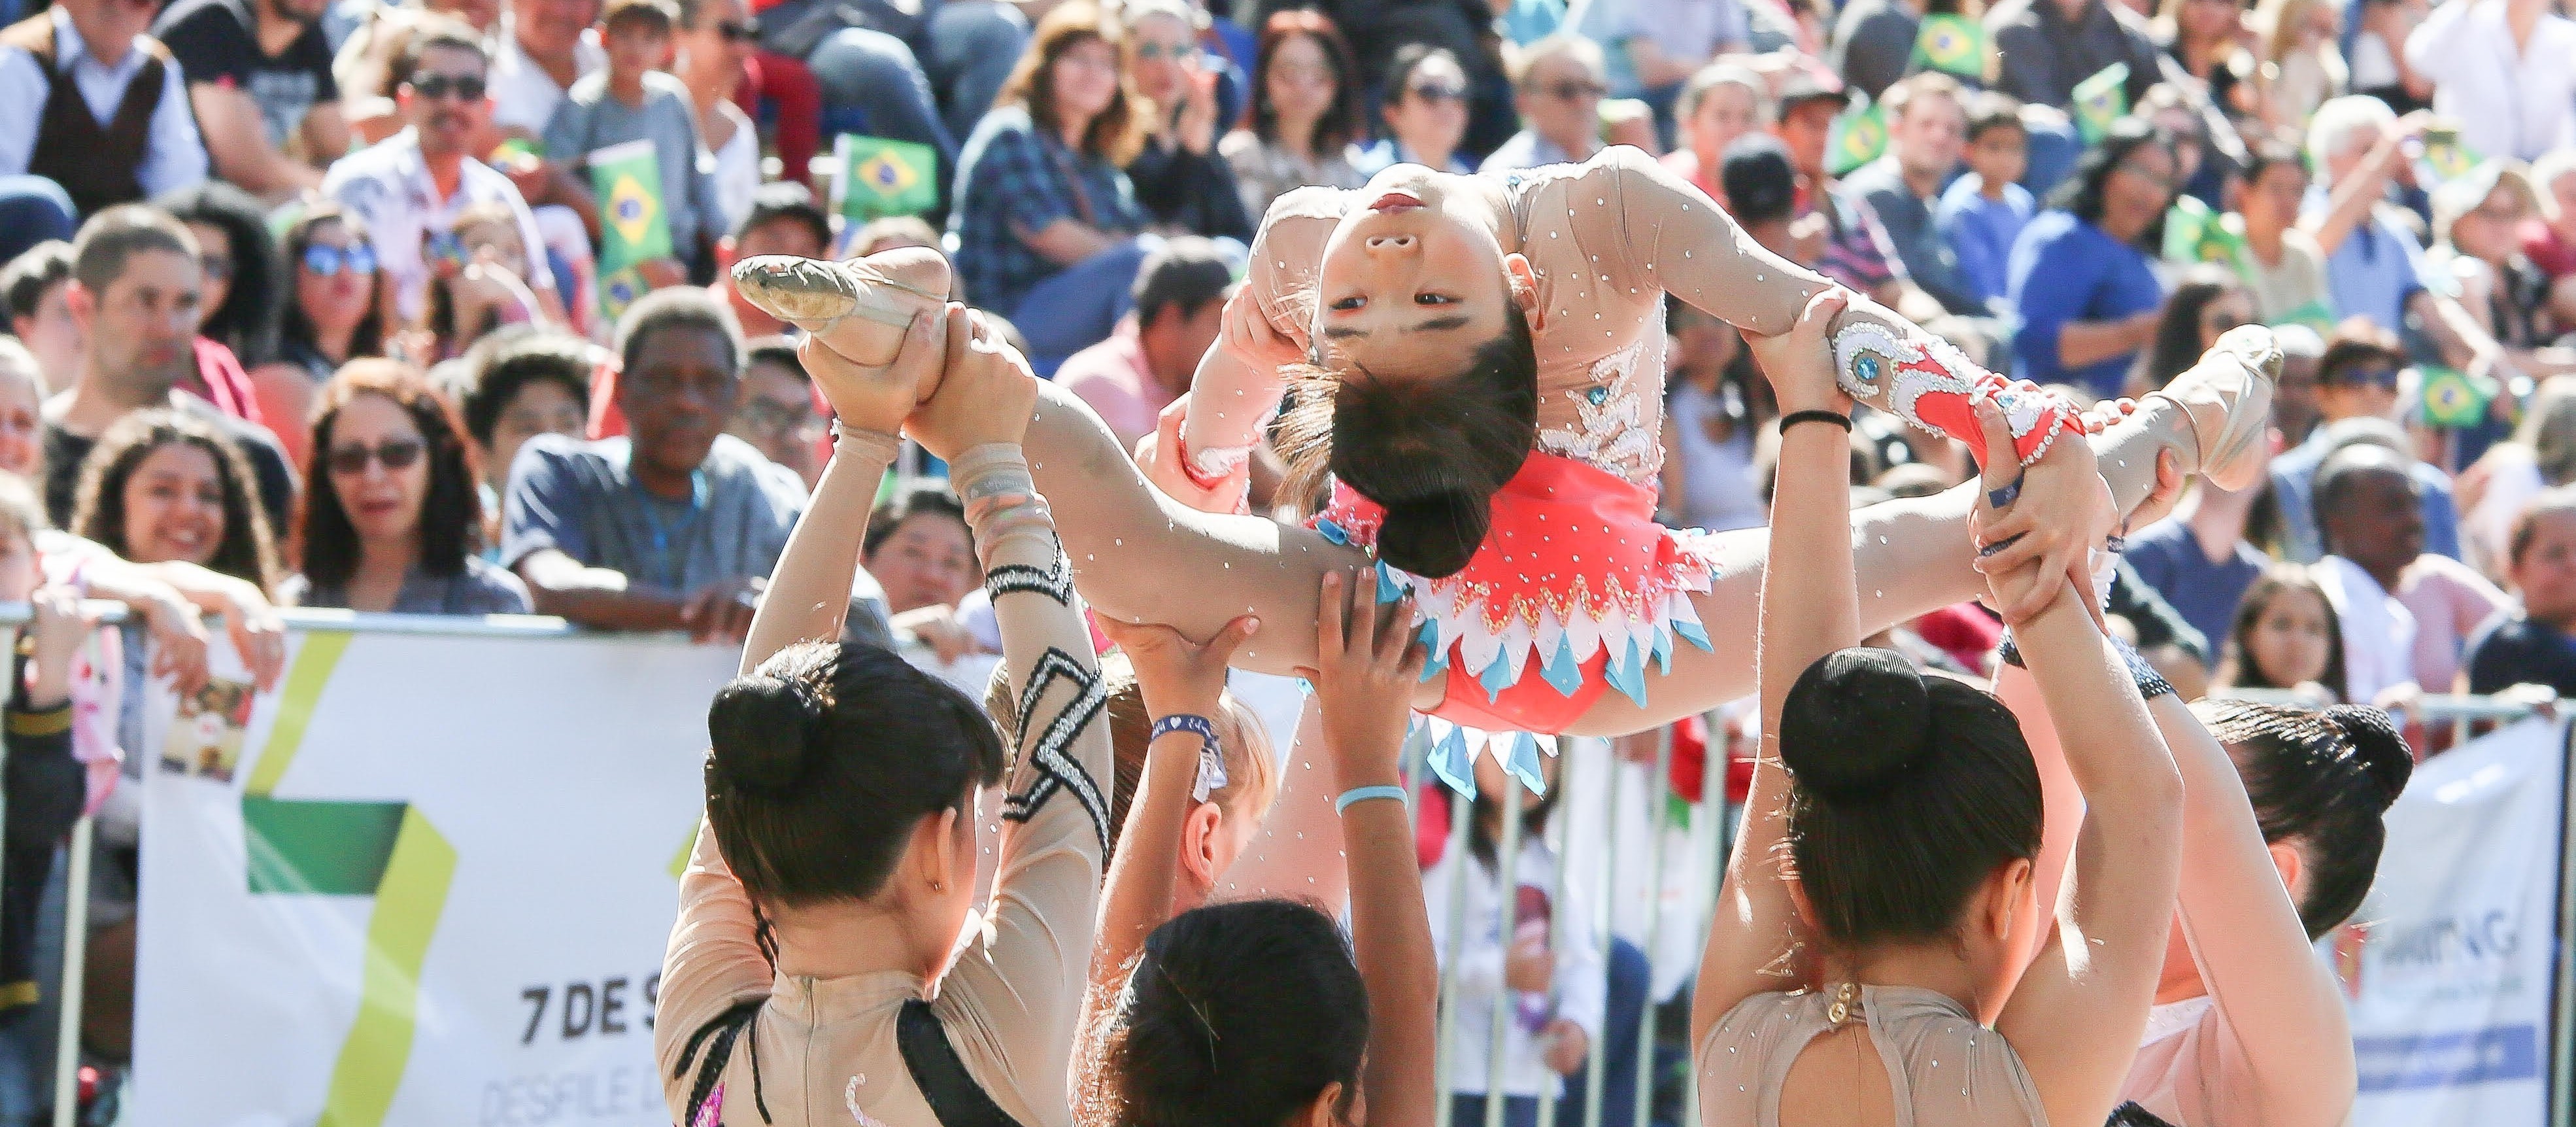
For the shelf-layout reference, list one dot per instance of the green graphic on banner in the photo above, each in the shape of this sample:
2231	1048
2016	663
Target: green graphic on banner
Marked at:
1955	44
633	225
2101	100
1858	137
877	177
386	850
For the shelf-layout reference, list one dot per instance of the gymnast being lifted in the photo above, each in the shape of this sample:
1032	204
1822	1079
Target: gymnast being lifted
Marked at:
1477	364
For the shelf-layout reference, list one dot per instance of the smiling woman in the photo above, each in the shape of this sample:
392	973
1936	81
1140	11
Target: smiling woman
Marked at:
162	487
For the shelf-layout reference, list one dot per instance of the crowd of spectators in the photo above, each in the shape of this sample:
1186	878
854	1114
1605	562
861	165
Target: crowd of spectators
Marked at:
344	303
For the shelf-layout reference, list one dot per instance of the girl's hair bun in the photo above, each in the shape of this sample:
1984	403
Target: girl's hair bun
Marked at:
1856	723
2377	747
762	727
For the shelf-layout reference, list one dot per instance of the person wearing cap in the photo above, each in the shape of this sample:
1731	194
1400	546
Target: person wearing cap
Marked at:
2045	47
1147	363
1558	89
2374	267
2357	400
1858	252
1762	194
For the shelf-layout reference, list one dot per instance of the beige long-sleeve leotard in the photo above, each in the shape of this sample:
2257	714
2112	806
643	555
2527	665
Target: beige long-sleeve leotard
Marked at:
826	1047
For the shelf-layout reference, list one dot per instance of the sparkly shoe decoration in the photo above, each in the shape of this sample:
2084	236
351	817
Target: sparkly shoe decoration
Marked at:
1931	384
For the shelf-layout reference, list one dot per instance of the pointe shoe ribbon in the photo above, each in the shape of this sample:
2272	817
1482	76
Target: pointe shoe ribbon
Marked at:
2228	398
859	308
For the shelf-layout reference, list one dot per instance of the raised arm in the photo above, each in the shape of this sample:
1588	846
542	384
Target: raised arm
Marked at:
809	593
1011	1002
2280	1002
1184	687
1810	608
1368	662
2076	1015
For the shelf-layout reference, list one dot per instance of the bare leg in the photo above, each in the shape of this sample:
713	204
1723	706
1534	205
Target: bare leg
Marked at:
1298	851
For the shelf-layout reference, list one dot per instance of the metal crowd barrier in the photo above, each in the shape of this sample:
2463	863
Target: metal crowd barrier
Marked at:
1589	771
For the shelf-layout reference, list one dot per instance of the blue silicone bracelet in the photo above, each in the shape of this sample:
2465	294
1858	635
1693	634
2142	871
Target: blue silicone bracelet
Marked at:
1363	794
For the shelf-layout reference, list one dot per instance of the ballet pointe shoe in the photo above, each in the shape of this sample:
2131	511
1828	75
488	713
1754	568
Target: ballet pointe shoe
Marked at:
858	308
2226	404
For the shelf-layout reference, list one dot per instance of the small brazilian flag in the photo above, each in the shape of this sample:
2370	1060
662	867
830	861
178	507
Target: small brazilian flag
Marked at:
633	225
619	289
2445	159
879	177
2314	315
1955	44
2194	233
2453	398
1858	137
2101	100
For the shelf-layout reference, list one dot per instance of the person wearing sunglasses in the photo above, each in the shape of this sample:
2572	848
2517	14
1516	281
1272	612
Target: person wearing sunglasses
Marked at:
416	184
1305	112
392	520
2357	394
716	39
1425	111
67	74
1558	90
335	311
1183	185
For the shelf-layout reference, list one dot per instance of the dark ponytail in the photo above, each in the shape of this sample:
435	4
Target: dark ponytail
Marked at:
1909	790
1433	450
1235	1015
821	762
2322	780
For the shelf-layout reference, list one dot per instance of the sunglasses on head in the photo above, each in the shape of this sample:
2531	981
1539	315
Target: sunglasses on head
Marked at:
2385	378
327	260
738	31
396	453
1436	94
433	85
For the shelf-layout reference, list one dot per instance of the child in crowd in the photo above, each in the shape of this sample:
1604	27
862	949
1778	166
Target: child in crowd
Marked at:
22	424
45	785
632	100
474	289
1981	213
2535	642
2286	636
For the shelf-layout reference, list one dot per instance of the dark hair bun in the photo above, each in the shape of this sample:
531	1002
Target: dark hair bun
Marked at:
761	727
1856	723
1436	537
2377	747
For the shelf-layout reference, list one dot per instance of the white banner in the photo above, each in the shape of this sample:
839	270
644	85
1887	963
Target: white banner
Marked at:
2450	1012
427	881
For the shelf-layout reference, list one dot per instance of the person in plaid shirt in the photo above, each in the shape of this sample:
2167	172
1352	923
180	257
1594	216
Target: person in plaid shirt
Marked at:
1045	230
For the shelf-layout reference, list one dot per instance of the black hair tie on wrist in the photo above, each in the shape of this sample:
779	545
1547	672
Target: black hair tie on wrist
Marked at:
1794	418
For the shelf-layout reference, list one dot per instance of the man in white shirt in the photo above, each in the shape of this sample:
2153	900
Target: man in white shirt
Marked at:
2504	69
2374	527
97	107
410	188
545	47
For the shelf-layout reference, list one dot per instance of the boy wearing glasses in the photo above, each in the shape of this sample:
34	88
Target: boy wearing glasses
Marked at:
412	189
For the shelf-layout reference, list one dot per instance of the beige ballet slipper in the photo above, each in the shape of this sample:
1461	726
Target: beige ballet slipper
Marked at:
859	308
